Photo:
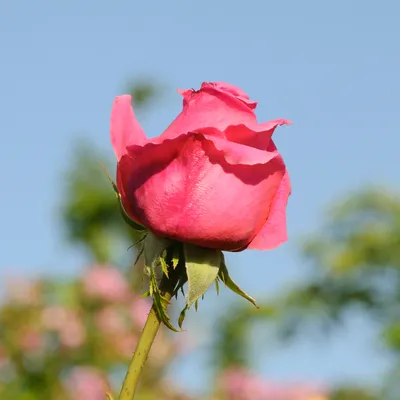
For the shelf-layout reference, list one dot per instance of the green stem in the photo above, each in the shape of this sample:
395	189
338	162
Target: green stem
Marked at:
145	342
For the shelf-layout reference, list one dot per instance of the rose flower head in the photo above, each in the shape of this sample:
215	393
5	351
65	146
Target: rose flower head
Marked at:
214	178
212	181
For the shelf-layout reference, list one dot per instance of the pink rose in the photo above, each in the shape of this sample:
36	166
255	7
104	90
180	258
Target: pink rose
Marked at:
125	344
31	341
140	309
86	383
239	384
23	291
3	357
214	178
67	323
110	321
106	283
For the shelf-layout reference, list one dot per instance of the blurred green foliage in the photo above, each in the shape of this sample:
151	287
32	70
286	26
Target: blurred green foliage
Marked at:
232	341
62	339
354	265
352	394
66	339
90	215
89	211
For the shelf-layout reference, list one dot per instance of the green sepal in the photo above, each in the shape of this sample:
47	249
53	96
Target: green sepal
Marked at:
182	280
217	285
145	295
160	303
153	249
155	253
175	262
202	267
113	184
138	241
182	316
130	222
227	280
164	266
139	253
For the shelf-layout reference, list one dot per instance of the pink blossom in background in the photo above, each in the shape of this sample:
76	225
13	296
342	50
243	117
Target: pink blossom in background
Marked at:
110	321
238	384
22	291
106	283
125	344
161	350
86	383
67	323
73	334
140	309
54	317
31	341
171	390
3	357
184	343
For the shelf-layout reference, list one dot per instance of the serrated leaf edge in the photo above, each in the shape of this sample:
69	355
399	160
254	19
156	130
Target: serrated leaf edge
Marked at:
229	283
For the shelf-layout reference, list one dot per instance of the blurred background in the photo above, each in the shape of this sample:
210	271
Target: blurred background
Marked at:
70	306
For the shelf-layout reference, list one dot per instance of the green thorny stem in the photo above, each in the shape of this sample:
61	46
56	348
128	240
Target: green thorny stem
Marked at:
146	340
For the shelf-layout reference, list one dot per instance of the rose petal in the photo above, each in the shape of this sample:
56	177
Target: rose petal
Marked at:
255	135
233	153
236	153
231	89
274	233
209	106
174	188
239	143
125	129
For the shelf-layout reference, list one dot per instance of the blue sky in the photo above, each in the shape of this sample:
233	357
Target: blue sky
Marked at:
330	67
